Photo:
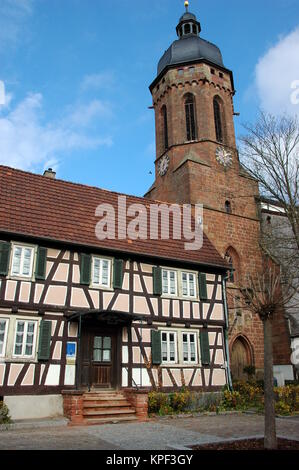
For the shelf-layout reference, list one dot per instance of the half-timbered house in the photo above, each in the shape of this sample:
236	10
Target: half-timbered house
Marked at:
79	315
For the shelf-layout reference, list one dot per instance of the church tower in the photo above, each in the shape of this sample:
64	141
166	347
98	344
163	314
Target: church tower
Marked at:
197	162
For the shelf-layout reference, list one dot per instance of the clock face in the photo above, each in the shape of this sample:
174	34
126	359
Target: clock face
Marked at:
224	157
163	165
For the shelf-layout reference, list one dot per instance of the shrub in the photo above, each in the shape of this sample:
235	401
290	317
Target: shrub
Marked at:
180	401
156	401
4	414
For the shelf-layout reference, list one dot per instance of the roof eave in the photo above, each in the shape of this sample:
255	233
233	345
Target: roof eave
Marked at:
197	61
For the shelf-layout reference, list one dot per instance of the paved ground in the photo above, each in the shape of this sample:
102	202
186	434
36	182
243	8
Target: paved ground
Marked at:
159	434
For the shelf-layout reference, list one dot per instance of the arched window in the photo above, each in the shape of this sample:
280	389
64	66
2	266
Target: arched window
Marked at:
232	258
165	127
190	118
218	120
187	28
228	207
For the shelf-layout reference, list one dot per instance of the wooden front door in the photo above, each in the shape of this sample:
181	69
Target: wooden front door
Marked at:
239	360
98	358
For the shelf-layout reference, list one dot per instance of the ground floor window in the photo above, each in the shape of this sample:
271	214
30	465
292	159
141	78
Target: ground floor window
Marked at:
169	346
179	347
25	338
189	348
3	335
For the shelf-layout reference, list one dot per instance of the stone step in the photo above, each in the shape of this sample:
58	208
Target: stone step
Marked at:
109	412
105	404
116	420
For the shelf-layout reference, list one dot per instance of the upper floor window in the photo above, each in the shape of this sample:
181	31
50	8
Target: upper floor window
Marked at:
3	335
190	118
101	272
218	120
22	261
169	346
165	127
25	338
169	282
188	284
189	348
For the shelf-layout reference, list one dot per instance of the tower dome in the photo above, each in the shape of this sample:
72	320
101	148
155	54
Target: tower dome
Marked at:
190	47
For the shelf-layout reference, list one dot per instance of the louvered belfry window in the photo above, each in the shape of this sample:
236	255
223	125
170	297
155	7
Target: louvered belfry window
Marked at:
218	121
190	118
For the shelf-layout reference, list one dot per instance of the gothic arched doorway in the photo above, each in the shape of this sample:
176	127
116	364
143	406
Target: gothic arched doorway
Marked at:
240	357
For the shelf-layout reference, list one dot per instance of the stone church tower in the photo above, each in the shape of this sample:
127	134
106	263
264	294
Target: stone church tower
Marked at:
197	162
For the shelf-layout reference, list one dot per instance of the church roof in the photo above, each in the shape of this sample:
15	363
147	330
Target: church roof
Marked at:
190	49
55	210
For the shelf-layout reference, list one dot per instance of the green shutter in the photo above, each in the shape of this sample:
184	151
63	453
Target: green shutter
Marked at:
41	263
202	280
156	347
4	258
44	340
157	280
118	271
205	347
85	269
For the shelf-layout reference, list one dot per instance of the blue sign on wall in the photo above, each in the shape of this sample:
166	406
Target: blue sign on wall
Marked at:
71	349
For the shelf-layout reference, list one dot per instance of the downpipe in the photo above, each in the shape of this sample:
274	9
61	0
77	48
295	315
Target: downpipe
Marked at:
228	371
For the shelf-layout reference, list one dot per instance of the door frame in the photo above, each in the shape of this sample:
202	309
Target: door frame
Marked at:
102	328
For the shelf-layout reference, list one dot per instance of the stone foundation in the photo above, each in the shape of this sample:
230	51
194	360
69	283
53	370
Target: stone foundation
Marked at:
73	406
138	399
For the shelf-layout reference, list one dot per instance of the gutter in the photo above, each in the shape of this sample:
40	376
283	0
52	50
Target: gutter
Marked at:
228	371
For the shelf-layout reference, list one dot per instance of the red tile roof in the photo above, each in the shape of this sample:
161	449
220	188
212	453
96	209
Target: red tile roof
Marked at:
41	207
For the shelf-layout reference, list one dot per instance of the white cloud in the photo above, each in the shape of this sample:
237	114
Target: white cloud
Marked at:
27	142
13	16
97	81
275	73
83	114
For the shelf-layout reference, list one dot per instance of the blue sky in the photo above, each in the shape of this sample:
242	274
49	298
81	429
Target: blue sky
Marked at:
76	74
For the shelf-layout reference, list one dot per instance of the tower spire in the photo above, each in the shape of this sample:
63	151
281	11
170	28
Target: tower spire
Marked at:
186	5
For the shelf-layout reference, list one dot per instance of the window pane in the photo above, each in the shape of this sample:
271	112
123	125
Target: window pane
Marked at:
96	271
19	338
106	355
16	263
172	283
164	337
97	355
105	271
185	284
2	335
165	282
107	342
28	350
164	351
97	342
27	261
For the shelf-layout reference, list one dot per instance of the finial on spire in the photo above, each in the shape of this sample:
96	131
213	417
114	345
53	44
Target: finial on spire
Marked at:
186	5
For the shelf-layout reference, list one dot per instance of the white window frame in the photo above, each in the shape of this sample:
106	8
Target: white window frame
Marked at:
188	295
23	355
168	271
2	354
175	333
23	247
189	333
93	283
